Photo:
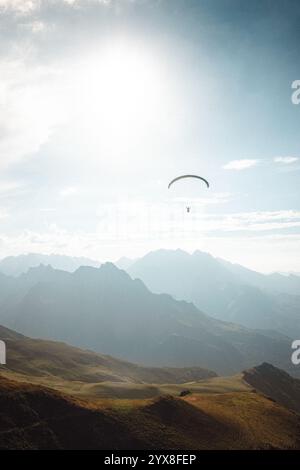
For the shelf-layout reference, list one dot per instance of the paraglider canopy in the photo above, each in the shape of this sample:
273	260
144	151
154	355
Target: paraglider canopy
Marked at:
188	209
188	176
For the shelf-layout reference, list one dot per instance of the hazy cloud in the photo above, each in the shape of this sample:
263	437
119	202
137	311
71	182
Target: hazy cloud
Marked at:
8	187
140	228
239	165
19	6
286	160
213	199
24	7
69	191
30	108
35	26
260	221
3	213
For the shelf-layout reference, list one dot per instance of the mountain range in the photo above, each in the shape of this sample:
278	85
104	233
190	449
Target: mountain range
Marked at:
104	310
16	265
224	290
221	289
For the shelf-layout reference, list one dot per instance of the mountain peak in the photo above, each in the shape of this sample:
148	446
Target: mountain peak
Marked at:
106	270
16	265
109	266
36	271
267	370
113	270
276	384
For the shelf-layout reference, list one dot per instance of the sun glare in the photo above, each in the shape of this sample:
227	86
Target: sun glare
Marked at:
121	94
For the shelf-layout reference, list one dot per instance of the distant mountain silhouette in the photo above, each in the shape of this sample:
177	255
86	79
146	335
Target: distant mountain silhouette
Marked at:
105	310
223	290
274	282
16	265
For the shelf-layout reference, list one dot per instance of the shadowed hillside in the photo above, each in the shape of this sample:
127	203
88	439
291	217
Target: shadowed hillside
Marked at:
125	406
51	360
276	384
33	417
38	418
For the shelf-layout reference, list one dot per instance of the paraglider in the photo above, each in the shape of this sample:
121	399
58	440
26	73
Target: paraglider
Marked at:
188	176
188	209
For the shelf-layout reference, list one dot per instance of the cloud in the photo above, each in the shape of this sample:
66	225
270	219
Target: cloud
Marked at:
19	6
264	221
31	107
35	26
69	191
244	164
148	222
25	7
255	249
214	199
239	165
7	186
260	221
3	213
286	160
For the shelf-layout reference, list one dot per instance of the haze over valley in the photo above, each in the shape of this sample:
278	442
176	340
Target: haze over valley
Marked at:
105	310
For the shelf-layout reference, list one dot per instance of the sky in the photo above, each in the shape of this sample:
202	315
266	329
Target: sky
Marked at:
103	102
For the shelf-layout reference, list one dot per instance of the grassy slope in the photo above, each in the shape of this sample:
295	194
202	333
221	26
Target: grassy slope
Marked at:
254	421
276	384
125	390
87	374
53	361
35	417
113	406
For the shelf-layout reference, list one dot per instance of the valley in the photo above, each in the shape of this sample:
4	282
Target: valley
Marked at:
105	310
